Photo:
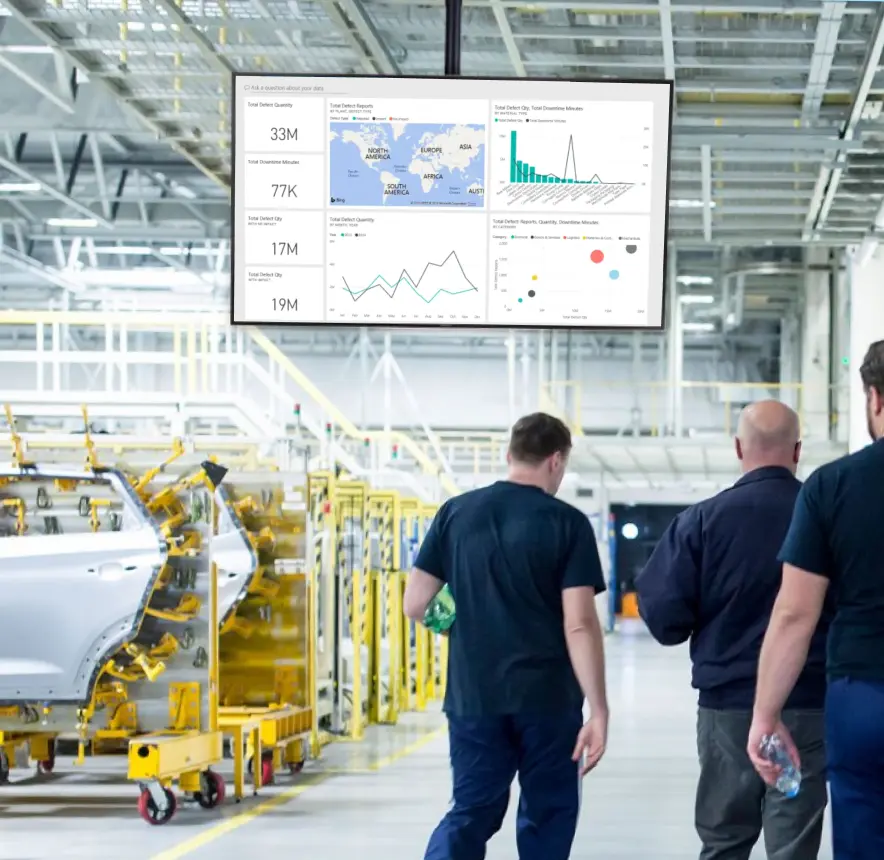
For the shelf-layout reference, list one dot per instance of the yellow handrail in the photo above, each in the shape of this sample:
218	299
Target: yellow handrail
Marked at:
405	442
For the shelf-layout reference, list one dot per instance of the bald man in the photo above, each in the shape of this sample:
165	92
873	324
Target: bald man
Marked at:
713	580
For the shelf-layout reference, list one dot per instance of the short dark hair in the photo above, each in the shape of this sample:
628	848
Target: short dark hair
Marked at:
538	436
872	370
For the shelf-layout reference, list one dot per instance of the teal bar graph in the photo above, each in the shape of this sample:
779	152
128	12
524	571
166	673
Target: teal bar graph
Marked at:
522	172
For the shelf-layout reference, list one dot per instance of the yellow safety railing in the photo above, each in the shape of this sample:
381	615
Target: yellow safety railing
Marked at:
196	358
583	407
404	441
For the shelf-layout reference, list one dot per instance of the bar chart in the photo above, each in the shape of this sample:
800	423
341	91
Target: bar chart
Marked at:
522	172
580	163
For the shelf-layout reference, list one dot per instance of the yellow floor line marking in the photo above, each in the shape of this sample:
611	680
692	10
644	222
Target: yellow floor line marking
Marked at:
242	818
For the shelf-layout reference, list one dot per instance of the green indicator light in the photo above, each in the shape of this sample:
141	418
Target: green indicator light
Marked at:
845	361
520	301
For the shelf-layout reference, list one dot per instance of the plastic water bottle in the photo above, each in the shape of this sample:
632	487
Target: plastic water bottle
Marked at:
789	780
440	613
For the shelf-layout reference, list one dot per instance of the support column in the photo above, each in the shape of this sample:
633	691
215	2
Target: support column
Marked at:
789	359
840	372
675	347
866	326
511	377
816	342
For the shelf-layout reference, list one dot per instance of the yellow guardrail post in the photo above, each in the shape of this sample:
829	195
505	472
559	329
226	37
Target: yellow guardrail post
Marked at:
421	635
432	667
312	674
395	624
408	628
443	666
357	723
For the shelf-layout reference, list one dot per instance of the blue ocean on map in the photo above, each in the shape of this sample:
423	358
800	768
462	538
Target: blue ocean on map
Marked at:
407	164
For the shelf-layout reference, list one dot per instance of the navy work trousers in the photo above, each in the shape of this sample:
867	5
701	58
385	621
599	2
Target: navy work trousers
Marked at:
486	754
855	748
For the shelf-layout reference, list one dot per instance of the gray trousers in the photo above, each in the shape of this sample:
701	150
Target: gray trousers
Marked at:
734	806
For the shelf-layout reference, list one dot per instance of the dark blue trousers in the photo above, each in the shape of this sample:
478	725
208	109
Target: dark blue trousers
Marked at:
486	754
855	750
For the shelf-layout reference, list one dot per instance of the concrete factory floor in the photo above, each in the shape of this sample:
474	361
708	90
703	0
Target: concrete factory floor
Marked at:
381	798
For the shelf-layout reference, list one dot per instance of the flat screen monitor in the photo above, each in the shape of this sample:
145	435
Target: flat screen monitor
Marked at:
461	202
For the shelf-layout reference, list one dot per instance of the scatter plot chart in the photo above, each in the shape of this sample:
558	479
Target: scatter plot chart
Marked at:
588	272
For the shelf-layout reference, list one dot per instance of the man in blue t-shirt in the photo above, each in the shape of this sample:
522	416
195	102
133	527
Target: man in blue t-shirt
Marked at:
836	544
525	650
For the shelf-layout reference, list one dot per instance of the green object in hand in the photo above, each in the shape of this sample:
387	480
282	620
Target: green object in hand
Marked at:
440	613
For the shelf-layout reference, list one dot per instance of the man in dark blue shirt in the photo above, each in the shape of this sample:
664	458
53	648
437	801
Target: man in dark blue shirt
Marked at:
713	579
835	548
525	649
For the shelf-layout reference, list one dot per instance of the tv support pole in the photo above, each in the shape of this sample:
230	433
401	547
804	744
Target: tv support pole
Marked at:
453	20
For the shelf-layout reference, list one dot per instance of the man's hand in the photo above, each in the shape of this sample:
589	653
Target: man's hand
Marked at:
763	727
591	743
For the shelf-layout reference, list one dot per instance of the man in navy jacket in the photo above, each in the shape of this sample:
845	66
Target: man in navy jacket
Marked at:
713	580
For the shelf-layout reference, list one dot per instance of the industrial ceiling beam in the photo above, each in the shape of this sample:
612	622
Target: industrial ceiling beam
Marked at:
825	45
203	44
58	195
46	33
506	33
377	48
60	97
830	179
706	174
668	40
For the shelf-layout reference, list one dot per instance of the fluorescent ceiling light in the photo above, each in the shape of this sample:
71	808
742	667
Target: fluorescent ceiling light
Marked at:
174	251
694	280
698	326
71	222
690	204
12	187
150	277
698	300
125	250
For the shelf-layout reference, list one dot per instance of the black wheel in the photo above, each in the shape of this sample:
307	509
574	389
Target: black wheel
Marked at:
4	767
212	790
151	813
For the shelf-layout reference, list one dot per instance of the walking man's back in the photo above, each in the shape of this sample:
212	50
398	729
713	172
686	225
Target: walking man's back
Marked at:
713	579
525	650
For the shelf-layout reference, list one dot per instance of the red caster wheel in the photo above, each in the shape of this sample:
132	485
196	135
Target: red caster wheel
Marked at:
47	765
211	793
151	813
295	767
4	768
267	771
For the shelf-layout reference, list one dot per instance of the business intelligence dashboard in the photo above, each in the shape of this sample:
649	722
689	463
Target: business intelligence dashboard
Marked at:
449	202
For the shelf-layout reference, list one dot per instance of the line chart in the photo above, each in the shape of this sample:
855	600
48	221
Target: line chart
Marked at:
405	278
393	267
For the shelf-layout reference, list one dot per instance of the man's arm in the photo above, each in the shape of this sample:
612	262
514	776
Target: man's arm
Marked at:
420	590
795	616
428	575
807	564
586	648
669	585
582	580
